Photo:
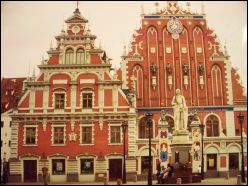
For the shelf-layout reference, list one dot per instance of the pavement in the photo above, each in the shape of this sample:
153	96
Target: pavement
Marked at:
207	181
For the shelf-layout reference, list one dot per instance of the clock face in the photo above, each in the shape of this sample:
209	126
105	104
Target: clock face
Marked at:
174	26
75	29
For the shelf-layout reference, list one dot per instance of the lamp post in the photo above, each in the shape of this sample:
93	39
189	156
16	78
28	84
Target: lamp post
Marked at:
149	117
124	127
241	119
202	160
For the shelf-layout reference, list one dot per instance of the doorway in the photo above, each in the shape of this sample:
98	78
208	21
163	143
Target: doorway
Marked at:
30	170
115	169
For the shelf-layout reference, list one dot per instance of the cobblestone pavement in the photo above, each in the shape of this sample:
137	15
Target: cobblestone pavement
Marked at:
208	181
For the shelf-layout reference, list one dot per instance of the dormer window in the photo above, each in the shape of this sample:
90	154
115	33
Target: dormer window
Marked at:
80	56
69	56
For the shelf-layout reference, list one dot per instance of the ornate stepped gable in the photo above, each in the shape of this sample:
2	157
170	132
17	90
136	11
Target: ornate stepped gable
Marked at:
175	48
75	60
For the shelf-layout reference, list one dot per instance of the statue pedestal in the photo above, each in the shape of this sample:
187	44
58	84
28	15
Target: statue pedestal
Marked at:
181	147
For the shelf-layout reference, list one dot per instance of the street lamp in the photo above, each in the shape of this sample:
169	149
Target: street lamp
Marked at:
149	117
241	119
202	160
124	127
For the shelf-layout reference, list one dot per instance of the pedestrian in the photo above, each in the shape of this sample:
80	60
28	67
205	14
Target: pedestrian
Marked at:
45	175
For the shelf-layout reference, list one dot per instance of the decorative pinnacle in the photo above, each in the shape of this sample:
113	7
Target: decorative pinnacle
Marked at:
202	8
51	45
188	5
142	9
156	5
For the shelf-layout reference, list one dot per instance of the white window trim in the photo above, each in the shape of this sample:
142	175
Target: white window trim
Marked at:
53	98
109	133
25	133
81	134
52	138
81	99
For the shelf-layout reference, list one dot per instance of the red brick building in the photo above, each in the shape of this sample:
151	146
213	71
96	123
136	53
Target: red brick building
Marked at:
69	118
175	49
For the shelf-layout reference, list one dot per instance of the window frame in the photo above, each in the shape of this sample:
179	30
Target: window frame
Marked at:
55	101
109	134
81	134
70	54
25	134
146	130
211	125
82	59
52	138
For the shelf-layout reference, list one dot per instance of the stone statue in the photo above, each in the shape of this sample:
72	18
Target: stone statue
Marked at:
201	69
185	70
180	111
168	69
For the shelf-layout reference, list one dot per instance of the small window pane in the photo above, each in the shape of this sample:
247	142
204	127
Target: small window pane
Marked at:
58	166
115	134
59	101
87	166
30	135
58	135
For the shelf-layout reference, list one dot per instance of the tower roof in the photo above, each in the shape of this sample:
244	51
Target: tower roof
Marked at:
76	18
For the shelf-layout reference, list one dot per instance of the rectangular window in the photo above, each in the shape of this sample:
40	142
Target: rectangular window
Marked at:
87	166
58	166
59	101
58	137
30	135
87	100
9	143
86	135
115	134
2	124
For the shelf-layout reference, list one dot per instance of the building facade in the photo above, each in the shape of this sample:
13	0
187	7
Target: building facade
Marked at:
69	117
175	49
11	89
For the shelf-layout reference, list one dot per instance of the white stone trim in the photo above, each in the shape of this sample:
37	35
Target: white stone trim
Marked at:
58	178
90	81
86	177
230	123
52	136
81	134
25	133
59	81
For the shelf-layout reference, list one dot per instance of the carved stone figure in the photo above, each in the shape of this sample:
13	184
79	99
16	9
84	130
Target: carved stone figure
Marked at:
180	111
200	69
185	70
153	69
168	69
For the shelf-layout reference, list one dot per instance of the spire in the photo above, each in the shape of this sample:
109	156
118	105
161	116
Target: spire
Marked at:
202	8
77	10
100	44
156	5
188	5
33	77
142	9
124	50
51	45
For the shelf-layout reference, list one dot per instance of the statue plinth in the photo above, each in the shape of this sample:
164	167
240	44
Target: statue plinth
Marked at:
180	147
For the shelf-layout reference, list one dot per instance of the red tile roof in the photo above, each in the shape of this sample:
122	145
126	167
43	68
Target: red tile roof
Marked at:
11	88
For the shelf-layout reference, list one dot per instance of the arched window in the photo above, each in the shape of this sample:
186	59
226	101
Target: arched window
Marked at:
170	121
217	85
212	124
190	119
144	129
80	56
69	56
138	74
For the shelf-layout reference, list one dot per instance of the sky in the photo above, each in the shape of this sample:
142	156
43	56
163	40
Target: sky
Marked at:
28	28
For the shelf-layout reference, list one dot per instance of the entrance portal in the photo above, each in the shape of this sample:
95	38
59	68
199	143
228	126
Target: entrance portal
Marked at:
30	170
115	169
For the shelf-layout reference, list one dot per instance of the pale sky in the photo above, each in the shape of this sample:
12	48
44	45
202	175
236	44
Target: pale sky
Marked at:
27	28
